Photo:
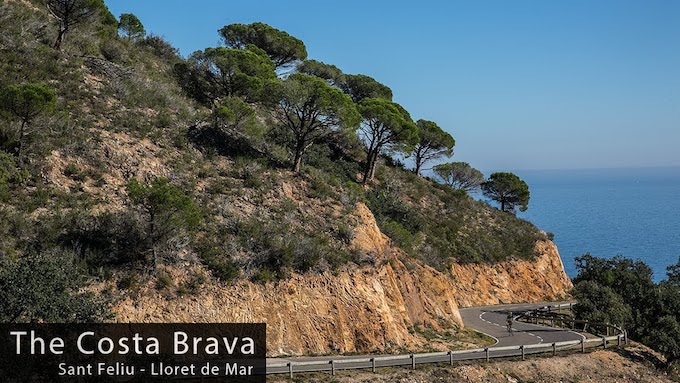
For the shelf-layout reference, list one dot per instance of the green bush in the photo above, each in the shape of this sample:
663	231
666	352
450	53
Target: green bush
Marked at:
46	287
10	175
105	240
215	258
163	280
620	290
160	47
129	281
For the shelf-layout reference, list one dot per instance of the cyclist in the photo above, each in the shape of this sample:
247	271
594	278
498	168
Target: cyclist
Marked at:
510	323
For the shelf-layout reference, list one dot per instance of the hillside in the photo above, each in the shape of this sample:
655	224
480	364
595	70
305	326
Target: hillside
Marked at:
135	201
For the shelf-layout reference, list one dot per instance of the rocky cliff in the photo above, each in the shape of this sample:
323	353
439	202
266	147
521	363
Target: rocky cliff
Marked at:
371	308
542	279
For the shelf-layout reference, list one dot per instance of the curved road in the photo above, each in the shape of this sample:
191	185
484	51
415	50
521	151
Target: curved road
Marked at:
490	320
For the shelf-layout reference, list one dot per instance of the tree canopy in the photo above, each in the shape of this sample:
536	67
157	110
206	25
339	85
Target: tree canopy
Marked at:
71	12
311	110
130	26
433	143
234	114
169	211
508	190
215	73
459	175
25	102
332	74
621	290
360	86
282	48
386	126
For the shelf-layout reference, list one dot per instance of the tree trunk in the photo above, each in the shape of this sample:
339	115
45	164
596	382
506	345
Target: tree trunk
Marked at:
60	39
374	165
419	163
369	171
367	168
297	162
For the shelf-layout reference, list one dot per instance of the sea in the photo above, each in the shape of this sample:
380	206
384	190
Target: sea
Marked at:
607	212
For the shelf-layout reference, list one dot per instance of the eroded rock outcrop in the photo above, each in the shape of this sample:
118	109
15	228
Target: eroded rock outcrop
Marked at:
541	279
371	308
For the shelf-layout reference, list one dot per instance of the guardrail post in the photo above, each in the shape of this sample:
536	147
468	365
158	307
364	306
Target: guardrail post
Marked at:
332	367
373	364
607	325
554	347
290	369
487	354
570	305
604	342
583	346
522	349
413	361
618	340
625	337
451	358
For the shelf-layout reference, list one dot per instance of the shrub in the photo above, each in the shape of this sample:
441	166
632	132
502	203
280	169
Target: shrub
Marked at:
215	258
169	213
113	50
160	47
163	280
129	281
46	287
9	175
109	239
193	284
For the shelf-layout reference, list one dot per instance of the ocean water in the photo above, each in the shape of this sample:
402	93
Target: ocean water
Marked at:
609	212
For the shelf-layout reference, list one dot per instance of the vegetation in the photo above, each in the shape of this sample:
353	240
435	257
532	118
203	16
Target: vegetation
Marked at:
130	26
386	126
42	288
459	175
508	190
622	291
332	74
72	12
359	87
25	102
311	110
216	73
168	213
433	143
282	48
93	193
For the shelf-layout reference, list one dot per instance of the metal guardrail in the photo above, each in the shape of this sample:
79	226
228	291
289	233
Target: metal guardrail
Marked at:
540	316
547	317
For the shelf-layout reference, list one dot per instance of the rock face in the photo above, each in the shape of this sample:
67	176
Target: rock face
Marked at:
369	309
372	308
364	309
513	281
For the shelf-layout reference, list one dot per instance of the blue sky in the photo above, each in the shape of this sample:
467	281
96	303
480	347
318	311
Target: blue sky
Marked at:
520	84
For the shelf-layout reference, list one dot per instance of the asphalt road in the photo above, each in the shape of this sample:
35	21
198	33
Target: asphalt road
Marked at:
490	320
